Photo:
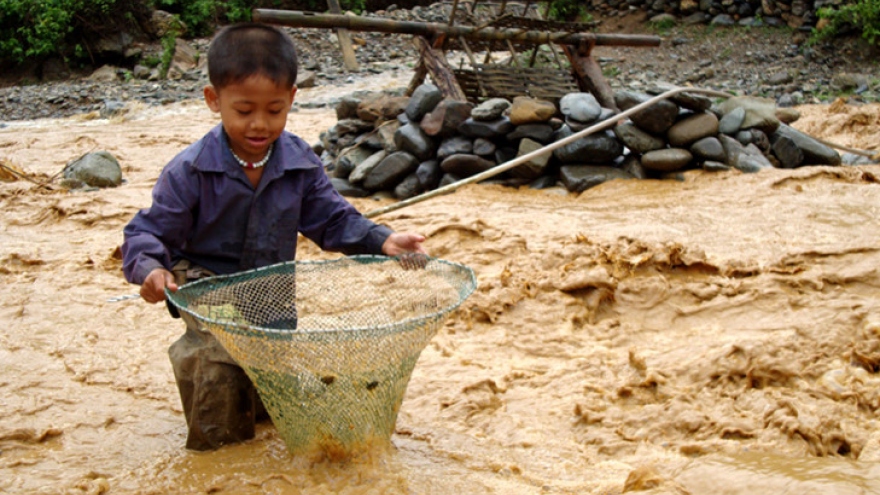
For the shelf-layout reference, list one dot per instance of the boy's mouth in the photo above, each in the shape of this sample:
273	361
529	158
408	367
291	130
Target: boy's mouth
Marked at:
258	142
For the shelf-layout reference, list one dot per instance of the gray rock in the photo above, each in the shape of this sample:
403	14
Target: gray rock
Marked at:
424	99
490	110
455	145
348	189
349	159
465	165
484	147
713	166
633	166
429	174
306	79
486	128
854	159
747	159
779	78
732	121
597	148
96	169
544	182
444	119
815	153
408	187
390	171
541	133
448	179
691	101
412	139
534	167
113	108
667	160
691	129
351	126
656	119
106	73
708	149
504	154
786	151
722	20
361	171
760	112
347	107
581	107
579	178
636	139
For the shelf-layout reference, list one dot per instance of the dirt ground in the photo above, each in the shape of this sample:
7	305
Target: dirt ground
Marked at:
715	335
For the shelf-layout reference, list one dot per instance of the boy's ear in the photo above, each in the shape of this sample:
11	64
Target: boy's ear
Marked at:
212	99
292	93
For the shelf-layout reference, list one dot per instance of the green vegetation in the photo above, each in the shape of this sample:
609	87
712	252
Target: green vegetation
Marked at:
861	15
34	30
611	71
568	10
663	26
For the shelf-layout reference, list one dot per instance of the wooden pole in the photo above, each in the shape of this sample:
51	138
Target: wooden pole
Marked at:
431	29
590	74
438	67
348	58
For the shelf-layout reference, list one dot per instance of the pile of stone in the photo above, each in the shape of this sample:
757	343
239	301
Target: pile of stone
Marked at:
796	14
410	145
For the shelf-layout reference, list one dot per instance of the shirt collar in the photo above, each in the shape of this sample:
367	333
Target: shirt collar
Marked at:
288	154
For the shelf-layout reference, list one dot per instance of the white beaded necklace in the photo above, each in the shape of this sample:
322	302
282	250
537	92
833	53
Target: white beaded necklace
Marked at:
255	164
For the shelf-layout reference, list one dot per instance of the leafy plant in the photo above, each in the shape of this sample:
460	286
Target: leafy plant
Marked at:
611	71
863	15
567	10
663	26
37	29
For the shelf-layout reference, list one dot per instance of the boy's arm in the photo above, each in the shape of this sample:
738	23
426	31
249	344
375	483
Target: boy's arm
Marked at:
153	232
334	224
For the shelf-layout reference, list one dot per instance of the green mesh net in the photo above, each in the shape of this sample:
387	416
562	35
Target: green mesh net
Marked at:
329	345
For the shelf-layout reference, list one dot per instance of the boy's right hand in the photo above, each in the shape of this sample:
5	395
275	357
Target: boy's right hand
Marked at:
153	288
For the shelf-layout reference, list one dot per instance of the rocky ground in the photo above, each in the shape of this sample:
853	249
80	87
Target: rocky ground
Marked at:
772	62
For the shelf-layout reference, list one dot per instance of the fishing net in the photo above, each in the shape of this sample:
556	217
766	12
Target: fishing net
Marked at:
329	345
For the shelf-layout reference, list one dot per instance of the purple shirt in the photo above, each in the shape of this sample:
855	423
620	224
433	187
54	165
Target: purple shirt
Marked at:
206	210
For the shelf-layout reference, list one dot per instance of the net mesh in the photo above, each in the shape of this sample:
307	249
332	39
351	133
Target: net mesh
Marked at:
329	345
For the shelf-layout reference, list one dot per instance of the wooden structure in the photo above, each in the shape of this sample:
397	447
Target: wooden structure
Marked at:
477	39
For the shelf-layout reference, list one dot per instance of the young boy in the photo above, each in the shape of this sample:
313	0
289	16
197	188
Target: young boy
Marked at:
234	201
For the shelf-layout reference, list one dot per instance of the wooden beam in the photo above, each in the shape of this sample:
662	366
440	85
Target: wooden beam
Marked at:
348	58
589	74
438	67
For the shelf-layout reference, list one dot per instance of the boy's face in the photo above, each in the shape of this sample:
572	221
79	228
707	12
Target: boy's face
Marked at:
254	113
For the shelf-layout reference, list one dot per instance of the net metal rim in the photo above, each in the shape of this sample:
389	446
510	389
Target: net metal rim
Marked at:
286	334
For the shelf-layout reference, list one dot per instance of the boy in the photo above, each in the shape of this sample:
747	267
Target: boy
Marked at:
233	201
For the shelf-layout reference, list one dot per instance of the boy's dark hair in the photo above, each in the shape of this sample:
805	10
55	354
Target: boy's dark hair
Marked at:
243	50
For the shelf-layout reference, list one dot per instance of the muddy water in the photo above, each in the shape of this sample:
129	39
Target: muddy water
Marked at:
719	334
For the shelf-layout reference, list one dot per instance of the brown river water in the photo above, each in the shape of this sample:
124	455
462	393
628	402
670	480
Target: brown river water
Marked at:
719	334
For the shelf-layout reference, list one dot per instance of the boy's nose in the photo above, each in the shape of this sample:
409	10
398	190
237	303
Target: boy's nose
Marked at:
259	122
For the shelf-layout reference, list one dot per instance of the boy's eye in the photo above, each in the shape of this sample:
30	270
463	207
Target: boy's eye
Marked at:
243	112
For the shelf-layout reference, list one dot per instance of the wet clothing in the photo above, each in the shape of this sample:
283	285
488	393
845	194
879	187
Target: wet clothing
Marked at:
207	218
219	401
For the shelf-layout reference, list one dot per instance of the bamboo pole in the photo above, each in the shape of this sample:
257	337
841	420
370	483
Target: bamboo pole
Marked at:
429	29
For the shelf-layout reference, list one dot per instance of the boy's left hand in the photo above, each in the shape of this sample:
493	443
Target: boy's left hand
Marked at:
403	242
408	248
